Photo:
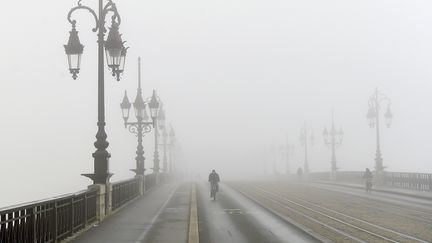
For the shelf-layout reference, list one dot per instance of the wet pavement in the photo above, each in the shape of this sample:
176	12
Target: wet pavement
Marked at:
232	218
160	216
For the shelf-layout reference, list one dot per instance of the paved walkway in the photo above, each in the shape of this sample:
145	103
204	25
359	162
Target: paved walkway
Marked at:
386	189
160	216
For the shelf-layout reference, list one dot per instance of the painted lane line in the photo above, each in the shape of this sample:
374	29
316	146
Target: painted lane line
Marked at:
144	234
193	218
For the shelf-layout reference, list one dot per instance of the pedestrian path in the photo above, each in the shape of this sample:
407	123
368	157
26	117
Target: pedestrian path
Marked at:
386	189
160	216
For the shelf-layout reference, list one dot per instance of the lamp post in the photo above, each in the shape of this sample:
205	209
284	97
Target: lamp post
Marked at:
375	103
115	56
164	144
287	151
333	139
162	127
154	109
306	139
172	138
142	124
273	151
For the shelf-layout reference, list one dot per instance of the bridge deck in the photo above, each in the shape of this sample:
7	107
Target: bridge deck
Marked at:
269	211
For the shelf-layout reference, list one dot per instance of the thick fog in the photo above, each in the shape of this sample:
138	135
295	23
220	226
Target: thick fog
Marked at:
237	77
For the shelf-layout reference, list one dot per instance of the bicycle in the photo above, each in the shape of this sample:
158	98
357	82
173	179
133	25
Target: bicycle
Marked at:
213	190
368	185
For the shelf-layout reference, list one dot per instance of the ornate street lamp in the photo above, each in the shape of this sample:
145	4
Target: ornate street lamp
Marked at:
172	134
373	115
161	118
125	107
154	111
141	126
154	106
122	63
113	47
162	127
172	138
287	151
388	116
333	139
74	50
306	139
165	144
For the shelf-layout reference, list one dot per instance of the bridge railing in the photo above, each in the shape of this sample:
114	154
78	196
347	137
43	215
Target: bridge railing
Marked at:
345	176
150	181
124	191
49	220
55	219
415	181
405	180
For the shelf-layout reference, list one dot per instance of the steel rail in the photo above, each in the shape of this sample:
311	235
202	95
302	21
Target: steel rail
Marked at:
416	210
283	203
299	213
347	216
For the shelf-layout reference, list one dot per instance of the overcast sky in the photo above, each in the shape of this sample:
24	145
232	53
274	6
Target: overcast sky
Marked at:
236	76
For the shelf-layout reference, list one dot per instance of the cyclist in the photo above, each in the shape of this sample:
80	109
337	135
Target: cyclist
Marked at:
300	173
214	180
368	177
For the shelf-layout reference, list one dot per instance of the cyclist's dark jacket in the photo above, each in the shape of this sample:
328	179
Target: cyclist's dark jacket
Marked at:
214	177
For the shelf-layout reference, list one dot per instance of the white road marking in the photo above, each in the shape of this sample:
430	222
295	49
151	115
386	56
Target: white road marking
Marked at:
193	218
144	234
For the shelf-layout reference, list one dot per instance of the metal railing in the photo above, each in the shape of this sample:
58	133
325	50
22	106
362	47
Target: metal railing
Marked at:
414	181
124	191
49	220
150	181
55	219
346	176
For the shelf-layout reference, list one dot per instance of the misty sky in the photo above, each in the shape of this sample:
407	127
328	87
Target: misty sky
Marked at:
236	76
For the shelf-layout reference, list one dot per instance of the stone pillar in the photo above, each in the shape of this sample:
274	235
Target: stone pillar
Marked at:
140	184
100	200
108	199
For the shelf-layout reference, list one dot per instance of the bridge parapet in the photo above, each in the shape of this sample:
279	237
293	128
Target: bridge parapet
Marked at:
55	219
50	220
150	181
125	191
414	181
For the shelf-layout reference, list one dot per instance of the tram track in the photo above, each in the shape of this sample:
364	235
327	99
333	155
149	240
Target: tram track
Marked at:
335	225
412	212
416	213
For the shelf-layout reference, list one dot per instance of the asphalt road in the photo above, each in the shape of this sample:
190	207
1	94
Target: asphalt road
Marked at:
232	218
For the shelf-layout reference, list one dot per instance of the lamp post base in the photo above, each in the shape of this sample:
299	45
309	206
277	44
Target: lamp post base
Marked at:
99	178
333	175
138	172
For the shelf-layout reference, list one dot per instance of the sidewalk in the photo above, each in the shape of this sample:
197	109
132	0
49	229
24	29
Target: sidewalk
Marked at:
160	216
386	189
